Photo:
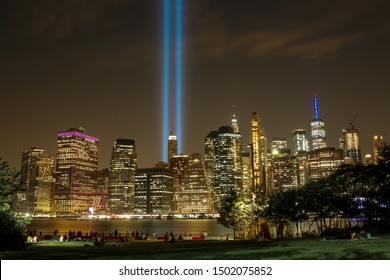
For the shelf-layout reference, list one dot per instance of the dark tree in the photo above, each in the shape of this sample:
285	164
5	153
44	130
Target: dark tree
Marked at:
9	181
228	212
11	227
278	210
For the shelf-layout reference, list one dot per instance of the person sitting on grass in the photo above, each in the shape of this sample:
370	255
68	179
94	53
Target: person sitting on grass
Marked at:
172	238
355	235
96	243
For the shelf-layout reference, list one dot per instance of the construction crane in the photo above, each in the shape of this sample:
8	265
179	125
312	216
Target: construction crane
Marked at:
350	123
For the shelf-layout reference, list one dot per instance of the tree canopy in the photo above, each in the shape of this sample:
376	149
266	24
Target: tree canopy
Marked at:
354	195
9	181
12	227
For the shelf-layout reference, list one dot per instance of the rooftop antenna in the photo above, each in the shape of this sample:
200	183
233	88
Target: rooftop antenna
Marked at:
316	107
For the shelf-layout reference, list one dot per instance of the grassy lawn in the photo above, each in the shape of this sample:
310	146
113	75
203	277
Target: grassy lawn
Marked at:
377	248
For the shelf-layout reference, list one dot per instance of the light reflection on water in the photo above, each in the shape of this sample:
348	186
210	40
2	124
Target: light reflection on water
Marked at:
182	226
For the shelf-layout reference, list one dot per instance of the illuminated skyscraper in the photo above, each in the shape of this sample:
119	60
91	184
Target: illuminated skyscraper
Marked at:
37	180
303	168
154	191
351	143
235	124
101	203
284	172
247	174
264	149
44	185
195	192
323	162
223	150
278	143
172	147
123	166
318	135
76	171
279	148
177	164
379	144
300	142
209	158
283	166
257	152
27	178
368	159
266	159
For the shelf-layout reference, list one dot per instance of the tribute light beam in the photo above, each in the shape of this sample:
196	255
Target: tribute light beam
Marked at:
179	74
166	67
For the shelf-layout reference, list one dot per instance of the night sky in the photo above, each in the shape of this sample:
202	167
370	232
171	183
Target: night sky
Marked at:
98	65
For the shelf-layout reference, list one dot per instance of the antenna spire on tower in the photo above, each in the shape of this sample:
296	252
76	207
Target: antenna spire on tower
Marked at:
316	107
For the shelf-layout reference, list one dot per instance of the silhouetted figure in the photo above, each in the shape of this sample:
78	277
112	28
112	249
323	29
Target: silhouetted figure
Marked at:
172	238
166	237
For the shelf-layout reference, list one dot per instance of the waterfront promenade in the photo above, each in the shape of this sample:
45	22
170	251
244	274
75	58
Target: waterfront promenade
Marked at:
184	227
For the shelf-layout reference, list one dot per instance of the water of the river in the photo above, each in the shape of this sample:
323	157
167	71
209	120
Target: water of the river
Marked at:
179	226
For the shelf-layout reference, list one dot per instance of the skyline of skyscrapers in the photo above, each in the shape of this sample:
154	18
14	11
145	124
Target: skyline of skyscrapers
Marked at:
186	184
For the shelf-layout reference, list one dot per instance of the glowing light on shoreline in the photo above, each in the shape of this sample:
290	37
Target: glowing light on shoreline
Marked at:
178	73
166	79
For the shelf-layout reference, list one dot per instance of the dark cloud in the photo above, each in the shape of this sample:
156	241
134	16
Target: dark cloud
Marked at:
80	37
296	30
316	49
56	19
